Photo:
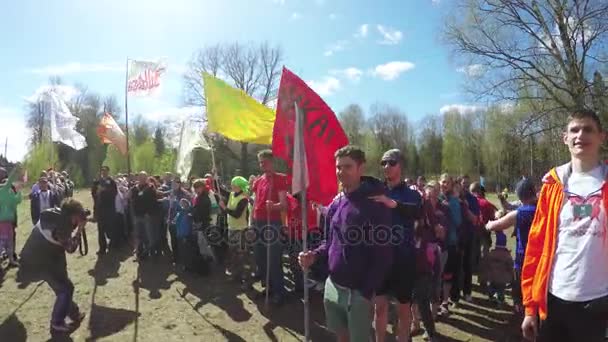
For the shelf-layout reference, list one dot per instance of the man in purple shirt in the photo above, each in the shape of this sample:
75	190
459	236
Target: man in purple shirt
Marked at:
357	249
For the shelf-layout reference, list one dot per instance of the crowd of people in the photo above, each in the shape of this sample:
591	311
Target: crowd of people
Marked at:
416	244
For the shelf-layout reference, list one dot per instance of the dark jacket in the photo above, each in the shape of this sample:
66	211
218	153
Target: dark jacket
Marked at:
201	211
360	264
104	196
143	201
54	201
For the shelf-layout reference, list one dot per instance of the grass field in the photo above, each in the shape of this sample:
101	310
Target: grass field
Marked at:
127	301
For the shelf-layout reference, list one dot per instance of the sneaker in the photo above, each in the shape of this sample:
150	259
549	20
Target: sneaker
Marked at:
77	318
60	328
443	310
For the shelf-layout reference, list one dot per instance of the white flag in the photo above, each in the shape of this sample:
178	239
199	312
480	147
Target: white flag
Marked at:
63	123
191	137
144	77
300	166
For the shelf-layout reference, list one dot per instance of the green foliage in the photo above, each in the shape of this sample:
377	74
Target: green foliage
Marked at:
159	141
41	157
115	160
144	157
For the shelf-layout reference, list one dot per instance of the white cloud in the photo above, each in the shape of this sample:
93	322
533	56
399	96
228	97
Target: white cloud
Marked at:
65	91
362	31
76	67
460	108
337	46
173	113
392	70
13	128
295	16
352	73
332	16
391	36
472	71
327	87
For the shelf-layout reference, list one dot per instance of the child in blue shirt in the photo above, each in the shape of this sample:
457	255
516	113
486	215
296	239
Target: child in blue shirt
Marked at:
183	230
522	220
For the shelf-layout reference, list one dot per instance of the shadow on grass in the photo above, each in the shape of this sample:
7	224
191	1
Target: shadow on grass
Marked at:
483	319
153	274
290	316
107	266
105	321
13	329
229	335
218	290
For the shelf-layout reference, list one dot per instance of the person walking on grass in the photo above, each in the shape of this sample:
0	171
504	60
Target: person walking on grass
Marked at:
357	258
405	207
564	277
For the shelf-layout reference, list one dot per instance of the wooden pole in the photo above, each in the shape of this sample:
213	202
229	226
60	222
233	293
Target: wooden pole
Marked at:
127	116
304	206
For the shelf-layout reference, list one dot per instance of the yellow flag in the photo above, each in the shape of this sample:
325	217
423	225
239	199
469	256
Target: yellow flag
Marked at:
236	115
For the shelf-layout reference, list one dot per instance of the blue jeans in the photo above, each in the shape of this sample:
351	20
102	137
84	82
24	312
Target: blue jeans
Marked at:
64	290
260	248
144	233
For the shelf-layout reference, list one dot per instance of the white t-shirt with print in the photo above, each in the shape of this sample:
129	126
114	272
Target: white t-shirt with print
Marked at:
580	269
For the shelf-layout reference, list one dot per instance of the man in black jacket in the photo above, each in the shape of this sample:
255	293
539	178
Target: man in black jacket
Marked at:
43	258
104	198
143	204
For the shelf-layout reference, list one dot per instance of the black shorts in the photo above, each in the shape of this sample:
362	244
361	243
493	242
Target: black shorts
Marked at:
452	266
400	281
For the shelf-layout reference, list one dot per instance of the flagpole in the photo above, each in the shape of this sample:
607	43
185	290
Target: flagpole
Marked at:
304	206
179	149
214	171
127	115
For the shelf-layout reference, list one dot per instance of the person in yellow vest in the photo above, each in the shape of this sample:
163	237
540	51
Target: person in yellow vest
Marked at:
236	208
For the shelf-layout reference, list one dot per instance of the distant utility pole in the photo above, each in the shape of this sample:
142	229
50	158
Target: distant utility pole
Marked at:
5	148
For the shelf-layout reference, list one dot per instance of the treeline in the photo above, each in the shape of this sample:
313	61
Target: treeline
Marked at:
497	142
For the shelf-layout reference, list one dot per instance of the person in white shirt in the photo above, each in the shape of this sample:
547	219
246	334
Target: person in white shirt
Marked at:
43	199
565	271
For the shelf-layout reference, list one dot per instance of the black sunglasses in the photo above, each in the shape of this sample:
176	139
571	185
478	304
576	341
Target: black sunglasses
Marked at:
389	162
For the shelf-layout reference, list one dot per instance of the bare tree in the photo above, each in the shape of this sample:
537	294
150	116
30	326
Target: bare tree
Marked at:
255	69
353	122
390	126
110	105
543	51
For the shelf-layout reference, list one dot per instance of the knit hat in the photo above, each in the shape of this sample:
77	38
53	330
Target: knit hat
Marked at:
393	154
501	239
241	182
525	189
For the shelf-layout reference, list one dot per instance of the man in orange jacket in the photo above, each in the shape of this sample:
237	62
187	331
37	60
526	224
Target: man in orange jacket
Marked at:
564	277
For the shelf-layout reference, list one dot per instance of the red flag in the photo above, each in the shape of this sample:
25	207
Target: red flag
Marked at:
323	136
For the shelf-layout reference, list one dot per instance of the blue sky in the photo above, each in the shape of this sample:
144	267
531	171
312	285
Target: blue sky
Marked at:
349	51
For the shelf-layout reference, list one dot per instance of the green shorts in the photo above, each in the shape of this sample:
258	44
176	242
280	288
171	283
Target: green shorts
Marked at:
347	310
